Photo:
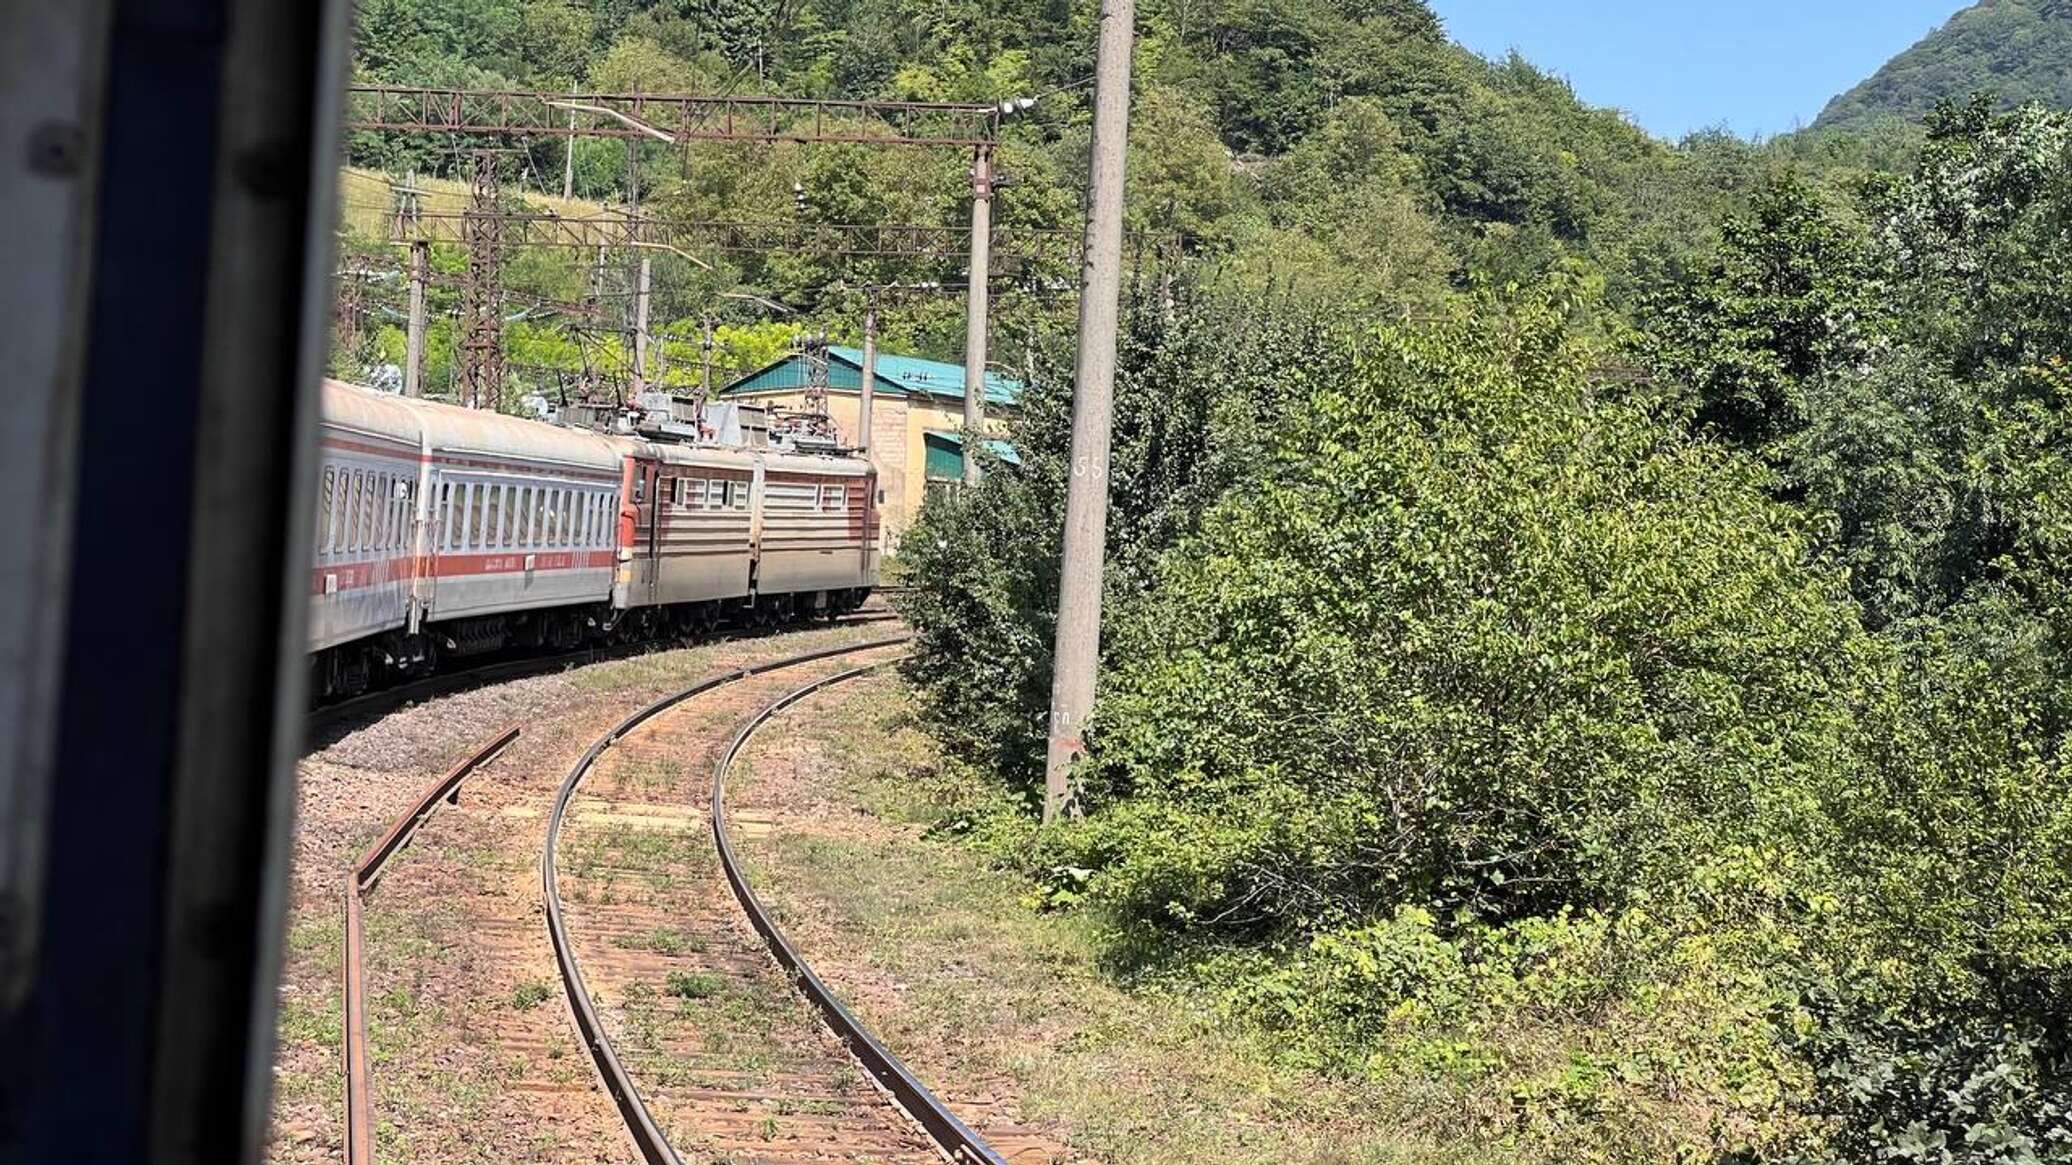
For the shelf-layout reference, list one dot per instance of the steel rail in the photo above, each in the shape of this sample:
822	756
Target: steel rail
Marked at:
951	1135
647	1136
359	1114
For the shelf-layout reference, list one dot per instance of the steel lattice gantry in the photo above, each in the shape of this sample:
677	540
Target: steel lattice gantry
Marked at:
681	118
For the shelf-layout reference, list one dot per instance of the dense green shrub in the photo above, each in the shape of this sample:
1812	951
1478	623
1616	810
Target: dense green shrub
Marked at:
1479	635
1472	725
1193	393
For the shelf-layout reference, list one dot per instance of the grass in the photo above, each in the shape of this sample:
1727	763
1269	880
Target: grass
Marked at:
693	984
951	963
531	994
364	200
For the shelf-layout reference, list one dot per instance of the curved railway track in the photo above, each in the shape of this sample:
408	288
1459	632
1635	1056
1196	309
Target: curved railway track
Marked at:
945	1134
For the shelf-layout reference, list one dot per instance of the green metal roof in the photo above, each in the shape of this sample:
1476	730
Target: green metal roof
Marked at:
945	453
905	374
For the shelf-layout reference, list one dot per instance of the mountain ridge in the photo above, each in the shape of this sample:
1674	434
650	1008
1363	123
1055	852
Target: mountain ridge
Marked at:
2019	49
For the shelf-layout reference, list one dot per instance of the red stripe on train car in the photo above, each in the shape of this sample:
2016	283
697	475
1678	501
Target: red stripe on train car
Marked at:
362	575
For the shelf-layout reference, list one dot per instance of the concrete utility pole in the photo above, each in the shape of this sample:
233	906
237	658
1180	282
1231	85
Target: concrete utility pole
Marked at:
1086	502
640	326
568	153
413	349
870	374
975	311
705	375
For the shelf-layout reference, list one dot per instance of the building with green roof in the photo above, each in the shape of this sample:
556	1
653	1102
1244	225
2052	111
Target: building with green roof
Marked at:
917	417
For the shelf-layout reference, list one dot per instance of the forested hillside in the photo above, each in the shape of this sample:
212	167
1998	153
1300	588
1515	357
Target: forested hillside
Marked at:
2018	49
1328	153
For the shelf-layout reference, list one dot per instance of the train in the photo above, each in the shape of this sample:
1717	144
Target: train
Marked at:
445	532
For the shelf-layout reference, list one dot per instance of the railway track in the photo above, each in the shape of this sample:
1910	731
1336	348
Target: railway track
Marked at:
325	721
360	881
743	1053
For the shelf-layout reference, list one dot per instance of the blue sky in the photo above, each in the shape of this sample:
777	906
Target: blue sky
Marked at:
1758	67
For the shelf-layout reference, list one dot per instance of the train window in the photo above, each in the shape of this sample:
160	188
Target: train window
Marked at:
639	486
834	498
369	506
737	492
493	517
461	494
356	538
442	516
352	513
323	538
348	510
370	511
524	516
478	496
568	510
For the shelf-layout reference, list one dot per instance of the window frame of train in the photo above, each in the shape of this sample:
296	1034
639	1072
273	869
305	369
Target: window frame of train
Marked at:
169	247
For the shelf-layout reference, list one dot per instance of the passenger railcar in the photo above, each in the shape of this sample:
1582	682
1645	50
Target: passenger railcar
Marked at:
444	531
